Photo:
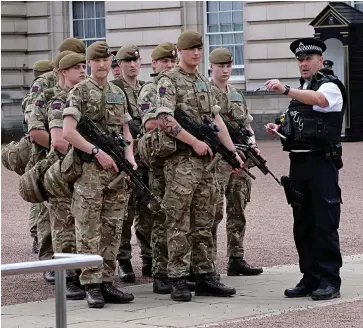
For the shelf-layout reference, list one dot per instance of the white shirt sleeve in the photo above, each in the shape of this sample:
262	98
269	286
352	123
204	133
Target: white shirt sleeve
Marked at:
335	99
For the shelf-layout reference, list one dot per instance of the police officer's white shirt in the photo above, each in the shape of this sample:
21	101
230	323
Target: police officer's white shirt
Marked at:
332	94
334	97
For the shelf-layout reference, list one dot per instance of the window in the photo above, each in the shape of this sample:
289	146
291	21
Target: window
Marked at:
224	28
358	5
88	21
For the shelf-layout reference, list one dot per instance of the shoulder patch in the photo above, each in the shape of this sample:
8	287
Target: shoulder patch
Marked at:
39	103
57	105
35	88
145	106
162	91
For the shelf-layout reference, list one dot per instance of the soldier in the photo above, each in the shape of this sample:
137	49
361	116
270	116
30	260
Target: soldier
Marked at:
163	58
98	210
312	126
190	193
115	67
138	212
39	131
72	69
39	68
236	187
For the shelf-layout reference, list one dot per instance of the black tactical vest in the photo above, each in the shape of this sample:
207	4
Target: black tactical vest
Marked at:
308	129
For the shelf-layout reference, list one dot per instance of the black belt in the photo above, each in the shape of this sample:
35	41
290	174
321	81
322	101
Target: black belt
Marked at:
306	156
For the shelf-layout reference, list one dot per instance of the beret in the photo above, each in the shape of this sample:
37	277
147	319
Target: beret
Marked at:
220	56
71	60
73	44
98	50
164	50
189	40
128	52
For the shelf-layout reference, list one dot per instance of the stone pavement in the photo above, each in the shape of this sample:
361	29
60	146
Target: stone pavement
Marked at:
257	297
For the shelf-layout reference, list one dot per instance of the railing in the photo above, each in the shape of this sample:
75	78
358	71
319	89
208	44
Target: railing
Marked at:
59	264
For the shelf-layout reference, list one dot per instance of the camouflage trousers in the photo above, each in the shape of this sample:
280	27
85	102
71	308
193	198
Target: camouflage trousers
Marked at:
159	243
98	212
190	203
44	232
138	213
33	217
236	190
62	227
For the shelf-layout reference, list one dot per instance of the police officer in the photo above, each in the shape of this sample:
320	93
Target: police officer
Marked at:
328	67
312	126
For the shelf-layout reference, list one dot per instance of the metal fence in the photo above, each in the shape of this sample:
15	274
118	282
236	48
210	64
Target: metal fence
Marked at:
59	264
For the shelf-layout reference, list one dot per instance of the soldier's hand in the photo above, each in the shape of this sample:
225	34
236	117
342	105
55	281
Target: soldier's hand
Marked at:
240	163
131	160
201	148
106	161
271	128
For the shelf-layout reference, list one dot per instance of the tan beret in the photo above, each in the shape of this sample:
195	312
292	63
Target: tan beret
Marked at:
71	60
60	56
220	56
164	50
98	50
43	66
189	40
74	45
128	52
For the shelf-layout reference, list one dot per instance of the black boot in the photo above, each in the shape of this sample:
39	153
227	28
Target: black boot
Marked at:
125	271
94	296
73	291
298	291
35	247
146	266
325	293
180	291
49	277
162	285
238	266
113	295
208	285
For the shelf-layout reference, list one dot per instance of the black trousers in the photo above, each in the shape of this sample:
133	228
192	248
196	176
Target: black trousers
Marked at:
314	182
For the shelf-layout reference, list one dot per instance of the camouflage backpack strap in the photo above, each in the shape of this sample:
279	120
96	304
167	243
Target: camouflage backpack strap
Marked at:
141	82
119	83
143	85
85	97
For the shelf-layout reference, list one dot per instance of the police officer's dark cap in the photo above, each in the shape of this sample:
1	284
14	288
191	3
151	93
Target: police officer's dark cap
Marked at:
307	46
114	59
328	63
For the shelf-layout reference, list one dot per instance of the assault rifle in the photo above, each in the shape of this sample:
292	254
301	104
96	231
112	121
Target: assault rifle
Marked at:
113	144
240	137
207	132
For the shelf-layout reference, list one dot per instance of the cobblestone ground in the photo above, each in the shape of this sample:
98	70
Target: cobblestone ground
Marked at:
268	241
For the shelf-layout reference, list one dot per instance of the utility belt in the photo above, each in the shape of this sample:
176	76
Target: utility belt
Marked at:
331	152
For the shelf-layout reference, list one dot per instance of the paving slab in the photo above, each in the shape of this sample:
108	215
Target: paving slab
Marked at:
256	297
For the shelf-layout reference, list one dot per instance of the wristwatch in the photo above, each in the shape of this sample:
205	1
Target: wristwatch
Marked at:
95	150
287	90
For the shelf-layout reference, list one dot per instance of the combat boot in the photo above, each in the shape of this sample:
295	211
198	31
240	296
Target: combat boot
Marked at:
113	295
238	266
94	296
125	271
179	290
35	247
146	266
161	285
49	277
208	285
73	291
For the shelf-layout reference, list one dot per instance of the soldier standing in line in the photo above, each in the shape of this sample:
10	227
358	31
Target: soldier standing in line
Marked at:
138	212
97	209
163	58
236	187
191	193
39	68
72	69
115	67
39	131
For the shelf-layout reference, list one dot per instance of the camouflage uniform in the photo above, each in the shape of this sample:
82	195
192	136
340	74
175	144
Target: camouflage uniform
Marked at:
98	211
38	120
42	82
138	211
235	187
61	219
147	108
190	194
